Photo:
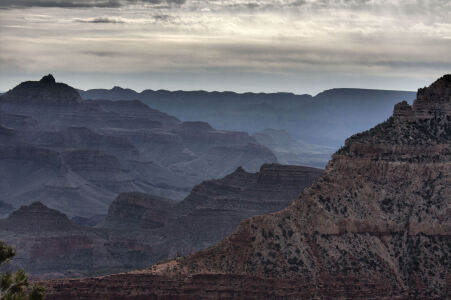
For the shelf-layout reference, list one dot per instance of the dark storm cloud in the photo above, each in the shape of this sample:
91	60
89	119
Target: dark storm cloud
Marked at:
79	3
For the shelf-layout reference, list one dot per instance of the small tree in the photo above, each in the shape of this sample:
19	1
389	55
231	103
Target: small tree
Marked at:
15	286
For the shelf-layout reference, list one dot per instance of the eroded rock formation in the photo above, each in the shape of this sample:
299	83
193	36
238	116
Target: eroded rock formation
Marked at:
376	225
141	229
76	156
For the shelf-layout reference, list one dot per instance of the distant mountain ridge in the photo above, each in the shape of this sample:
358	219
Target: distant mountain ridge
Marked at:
120	93
321	122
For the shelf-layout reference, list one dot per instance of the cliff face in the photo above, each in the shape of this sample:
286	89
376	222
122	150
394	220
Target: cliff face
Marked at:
48	244
376	225
135	211
272	188
37	217
214	208
137	110
139	229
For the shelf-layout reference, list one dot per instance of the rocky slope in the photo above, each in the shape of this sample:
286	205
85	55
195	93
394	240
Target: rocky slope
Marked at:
36	217
49	245
376	225
76	155
214	208
142	229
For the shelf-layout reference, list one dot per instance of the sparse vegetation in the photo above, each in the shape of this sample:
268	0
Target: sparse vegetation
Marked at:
16	286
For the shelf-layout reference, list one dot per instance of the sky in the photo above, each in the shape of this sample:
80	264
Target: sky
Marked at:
300	46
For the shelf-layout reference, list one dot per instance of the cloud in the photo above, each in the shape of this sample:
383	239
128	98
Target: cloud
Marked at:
212	40
157	18
57	3
7	4
112	20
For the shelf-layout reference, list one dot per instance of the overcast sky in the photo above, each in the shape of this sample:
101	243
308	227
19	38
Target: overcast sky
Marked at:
301	46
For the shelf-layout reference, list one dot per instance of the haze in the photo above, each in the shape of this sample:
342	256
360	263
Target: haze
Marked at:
302	46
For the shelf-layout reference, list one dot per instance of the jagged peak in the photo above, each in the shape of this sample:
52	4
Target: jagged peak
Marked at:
442	82
239	170
403	109
196	125
425	124
118	88
436	97
44	91
35	206
37	217
48	79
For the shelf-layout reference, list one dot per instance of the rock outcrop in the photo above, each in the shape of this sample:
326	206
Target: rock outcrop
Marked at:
272	188
49	245
36	217
376	225
214	208
43	92
134	211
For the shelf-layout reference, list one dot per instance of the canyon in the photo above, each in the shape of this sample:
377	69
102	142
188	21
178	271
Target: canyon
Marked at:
76	156
375	225
299	129
141	229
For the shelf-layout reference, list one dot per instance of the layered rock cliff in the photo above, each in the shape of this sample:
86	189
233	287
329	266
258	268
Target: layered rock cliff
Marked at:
36	217
376	225
139	229
214	208
48	244
76	156
135	211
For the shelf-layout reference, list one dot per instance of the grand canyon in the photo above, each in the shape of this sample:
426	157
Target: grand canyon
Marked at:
375	225
232	149
111	186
